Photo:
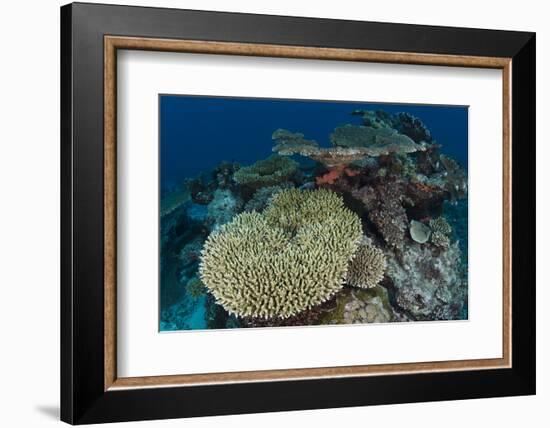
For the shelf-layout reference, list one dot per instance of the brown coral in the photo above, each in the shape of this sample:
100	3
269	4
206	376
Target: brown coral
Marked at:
385	210
367	268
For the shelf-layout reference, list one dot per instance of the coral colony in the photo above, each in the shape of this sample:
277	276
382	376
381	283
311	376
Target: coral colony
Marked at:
367	230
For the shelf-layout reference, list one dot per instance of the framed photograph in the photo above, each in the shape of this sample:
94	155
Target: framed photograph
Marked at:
266	213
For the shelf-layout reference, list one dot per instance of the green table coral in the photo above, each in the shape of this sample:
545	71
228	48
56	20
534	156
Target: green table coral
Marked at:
286	260
267	172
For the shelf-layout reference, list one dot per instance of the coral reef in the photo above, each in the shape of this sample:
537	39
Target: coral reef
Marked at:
221	209
385	210
288	144
374	141
428	285
372	228
334	174
289	259
262	196
441	230
267	172
366	309
367	268
404	123
359	306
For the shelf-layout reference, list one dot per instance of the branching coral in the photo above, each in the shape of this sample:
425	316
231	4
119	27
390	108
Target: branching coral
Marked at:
224	205
429	285
290	143
454	179
367	268
288	259
267	172
441	230
405	123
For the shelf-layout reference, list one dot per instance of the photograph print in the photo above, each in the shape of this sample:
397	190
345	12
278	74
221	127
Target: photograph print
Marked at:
294	213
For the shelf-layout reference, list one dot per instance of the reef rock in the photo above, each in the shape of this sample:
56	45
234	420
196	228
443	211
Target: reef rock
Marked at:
405	123
367	268
383	202
223	207
375	141
266	172
428	283
419	232
284	261
262	196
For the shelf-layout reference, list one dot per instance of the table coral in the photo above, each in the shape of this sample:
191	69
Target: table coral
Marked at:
267	172
374	141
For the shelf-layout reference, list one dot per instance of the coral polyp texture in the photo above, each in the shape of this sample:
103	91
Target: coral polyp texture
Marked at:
287	260
367	268
441	231
267	172
297	213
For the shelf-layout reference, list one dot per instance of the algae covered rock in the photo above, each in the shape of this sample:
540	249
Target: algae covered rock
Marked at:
361	307
224	205
286	260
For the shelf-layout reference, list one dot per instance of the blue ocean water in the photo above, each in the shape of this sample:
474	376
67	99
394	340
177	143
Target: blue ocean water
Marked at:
196	133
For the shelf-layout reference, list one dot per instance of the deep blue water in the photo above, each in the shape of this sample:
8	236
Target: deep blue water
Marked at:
196	133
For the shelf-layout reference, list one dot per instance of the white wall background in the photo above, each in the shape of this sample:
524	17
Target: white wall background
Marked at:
29	213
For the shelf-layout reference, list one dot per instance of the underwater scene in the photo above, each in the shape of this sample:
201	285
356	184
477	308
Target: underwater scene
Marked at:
281	212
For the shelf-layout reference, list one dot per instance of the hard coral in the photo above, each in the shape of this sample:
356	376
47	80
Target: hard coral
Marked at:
374	141
419	232
288	144
441	230
367	268
267	172
289	259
